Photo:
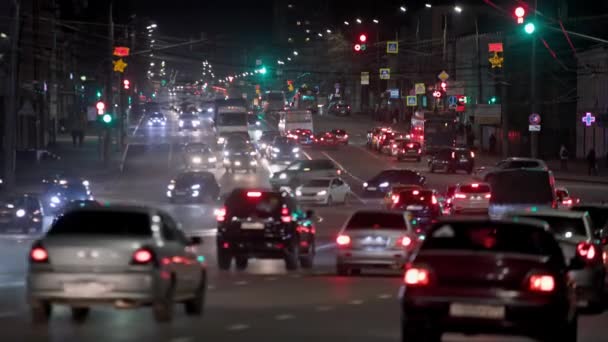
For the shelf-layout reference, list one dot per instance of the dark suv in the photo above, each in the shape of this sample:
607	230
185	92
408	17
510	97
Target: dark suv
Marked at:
264	224
452	159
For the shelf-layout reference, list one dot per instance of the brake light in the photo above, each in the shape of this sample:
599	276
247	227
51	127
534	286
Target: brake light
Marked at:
406	241
488	196
586	250
39	254
542	283
285	217
472	154
345	136
339	172
434	200
453	155
312	137
410	145
394	145
254	194
419	151
459	195
343	240
142	256
416	277
415	192
395	199
475	185
220	214
567	202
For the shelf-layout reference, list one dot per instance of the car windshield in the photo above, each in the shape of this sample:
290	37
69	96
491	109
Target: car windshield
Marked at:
157	116
317	183
254	203
563	226
188	117
191	178
490	237
194	148
517	164
275	96
111	223
376	220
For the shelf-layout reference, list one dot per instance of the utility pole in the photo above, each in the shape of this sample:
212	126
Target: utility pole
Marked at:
10	118
107	136
533	101
502	79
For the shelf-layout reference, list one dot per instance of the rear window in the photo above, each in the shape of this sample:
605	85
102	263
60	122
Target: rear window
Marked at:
275	96
521	187
491	237
563	226
412	145
422	197
378	220
102	223
475	189
254	204
318	183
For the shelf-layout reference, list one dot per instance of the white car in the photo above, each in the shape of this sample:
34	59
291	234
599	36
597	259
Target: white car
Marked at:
323	191
481	173
471	198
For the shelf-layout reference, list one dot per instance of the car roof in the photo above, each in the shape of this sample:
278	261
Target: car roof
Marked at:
123	208
540	161
551	213
475	219
592	205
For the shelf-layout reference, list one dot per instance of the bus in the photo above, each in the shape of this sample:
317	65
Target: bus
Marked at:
273	101
434	130
293	119
231	119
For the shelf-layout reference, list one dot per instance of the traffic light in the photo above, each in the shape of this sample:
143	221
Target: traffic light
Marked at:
101	107
443	86
361	44
98	94
107	118
126	84
362	38
520	12
492	100
461	103
529	28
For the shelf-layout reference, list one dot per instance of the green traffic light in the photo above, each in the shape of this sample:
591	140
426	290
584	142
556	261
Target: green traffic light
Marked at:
492	100
529	28
263	70
107	118
98	94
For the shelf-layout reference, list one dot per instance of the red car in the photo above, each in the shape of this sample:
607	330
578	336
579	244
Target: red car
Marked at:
326	139
341	135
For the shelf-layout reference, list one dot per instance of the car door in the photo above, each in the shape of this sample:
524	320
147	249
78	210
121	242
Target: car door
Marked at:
175	250
192	266
339	187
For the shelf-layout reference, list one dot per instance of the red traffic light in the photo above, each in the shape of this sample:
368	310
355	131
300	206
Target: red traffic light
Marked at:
126	84
101	107
363	38
357	47
519	14
443	85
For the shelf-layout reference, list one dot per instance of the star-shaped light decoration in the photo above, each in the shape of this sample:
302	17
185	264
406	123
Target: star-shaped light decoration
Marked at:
119	65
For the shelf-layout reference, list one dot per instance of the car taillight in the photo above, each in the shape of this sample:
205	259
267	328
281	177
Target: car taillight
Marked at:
434	200
567	202
416	276
419	151
586	251
343	240
453	155
406	241
488	196
142	256
338	172
459	195
285	217
254	194
394	145
345	136
541	283
220	214
395	199
472	154
312	137
39	254
410	145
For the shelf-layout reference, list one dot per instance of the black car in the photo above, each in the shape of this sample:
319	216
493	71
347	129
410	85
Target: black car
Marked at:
489	277
188	121
452	159
339	108
240	155
264	224
422	205
381	183
265	140
21	214
283	149
195	186
599	217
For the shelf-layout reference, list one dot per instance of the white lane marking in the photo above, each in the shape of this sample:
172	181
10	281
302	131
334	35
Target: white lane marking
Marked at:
325	246
357	197
284	317
12	284
241	282
368	152
170	157
138	124
356	302
323	308
342	167
384	296
237	327
209	232
182	339
306	155
123	159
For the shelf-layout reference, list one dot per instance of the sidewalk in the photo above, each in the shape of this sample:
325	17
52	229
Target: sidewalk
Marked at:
357	126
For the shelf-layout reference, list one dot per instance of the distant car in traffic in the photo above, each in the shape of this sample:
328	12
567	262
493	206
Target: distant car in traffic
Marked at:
300	171
340	135
392	195
339	108
198	156
123	256
56	195
471	198
193	186
599	217
574	233
458	280
283	149
326	139
481	173
265	140
240	155
374	239
452	159
564	199
188	121
422	206
325	191
21	214
264	224
373	135
157	120
384	139
382	182
404	149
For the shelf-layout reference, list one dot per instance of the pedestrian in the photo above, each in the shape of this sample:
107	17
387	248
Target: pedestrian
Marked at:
395	115
563	157
592	162
492	143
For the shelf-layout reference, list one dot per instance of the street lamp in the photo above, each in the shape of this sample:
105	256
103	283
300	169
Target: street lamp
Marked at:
375	21
153	26
346	23
328	31
320	34
359	21
458	9
427	5
295	53
402	9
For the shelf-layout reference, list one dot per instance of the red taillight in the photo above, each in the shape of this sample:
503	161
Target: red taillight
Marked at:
142	256
586	250
453	155
475	185
343	240
220	214
345	136
285	217
567	202
312	137
434	200
488	196
39	254
394	145
410	145
415	192
254	194
416	277
542	283
419	151
395	199
406	241
459	195
338	172
472	154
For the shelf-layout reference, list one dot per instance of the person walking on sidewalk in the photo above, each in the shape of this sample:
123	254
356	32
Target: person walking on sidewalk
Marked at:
79	126
492	143
563	157
592	162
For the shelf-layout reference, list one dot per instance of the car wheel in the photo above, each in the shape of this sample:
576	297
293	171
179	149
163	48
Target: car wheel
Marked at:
163	307
196	305
414	333
224	259
292	257
241	262
40	311
80	314
329	201
307	261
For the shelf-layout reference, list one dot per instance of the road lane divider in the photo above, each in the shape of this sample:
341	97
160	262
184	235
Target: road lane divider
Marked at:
342	167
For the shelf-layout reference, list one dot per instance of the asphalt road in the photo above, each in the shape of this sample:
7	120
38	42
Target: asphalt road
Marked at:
263	303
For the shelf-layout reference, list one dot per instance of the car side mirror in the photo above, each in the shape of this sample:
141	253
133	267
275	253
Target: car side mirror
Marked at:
196	240
576	263
309	214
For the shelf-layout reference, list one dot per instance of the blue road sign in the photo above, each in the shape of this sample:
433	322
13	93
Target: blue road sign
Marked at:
452	100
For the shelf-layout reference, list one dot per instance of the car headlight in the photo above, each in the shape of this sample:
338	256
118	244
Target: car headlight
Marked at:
295	150
55	200
20	213
195	122
209	110
322	193
169	194
383	185
252	153
212	159
85	183
257	123
253	162
195	186
171	186
276	149
194	193
221	140
226	153
283	176
298	193
264	145
365	184
196	160
181	123
149	123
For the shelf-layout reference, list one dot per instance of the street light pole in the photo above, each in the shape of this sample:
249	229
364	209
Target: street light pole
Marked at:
10	120
533	102
107	136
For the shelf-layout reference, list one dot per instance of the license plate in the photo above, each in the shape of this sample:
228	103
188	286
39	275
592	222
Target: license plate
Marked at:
411	151
87	289
180	192
371	188
463	160
414	207
252	225
477	311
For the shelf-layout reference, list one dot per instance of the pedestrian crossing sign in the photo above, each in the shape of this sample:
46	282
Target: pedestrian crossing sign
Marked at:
412	101
385	73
